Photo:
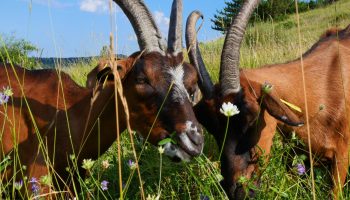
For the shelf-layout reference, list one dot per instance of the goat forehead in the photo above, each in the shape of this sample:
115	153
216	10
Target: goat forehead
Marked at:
176	75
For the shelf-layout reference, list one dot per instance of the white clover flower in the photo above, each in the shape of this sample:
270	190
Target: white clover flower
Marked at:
160	149
228	109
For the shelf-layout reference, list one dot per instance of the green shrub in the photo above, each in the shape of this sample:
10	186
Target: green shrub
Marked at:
17	51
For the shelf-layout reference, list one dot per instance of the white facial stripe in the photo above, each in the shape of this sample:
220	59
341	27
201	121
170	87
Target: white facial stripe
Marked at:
179	91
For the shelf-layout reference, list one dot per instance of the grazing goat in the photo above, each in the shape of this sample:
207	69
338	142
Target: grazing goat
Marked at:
49	117
258	93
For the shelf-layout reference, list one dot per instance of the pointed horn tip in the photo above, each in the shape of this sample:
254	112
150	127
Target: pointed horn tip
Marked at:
198	13
193	18
175	28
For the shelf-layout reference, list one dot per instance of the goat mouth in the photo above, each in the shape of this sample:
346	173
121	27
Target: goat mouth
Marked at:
184	150
176	153
189	146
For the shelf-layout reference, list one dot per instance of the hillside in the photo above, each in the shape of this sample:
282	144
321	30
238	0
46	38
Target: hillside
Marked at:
275	42
51	62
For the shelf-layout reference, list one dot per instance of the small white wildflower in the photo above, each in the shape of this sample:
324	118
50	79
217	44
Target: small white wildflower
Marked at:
105	164
7	91
153	197
87	164
160	149
228	109
219	177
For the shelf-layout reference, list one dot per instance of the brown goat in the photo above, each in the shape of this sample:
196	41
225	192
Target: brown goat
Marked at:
49	117
250	133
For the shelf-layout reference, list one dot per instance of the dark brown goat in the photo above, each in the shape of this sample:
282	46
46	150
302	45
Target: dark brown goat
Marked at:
250	133
70	119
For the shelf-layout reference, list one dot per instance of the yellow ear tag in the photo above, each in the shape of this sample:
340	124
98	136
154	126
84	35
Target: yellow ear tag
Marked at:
292	106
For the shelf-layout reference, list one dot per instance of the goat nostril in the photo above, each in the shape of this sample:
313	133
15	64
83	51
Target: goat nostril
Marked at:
196	138
194	133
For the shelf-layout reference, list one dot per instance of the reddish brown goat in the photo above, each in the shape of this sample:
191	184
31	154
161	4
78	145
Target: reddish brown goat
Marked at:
327	72
74	120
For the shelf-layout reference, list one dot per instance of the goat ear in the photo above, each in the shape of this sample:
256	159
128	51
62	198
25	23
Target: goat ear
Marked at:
279	110
103	71
96	74
124	66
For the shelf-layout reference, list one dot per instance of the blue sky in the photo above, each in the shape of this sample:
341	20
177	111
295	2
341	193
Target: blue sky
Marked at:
71	28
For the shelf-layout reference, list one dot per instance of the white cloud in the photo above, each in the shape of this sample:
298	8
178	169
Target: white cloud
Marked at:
94	5
162	21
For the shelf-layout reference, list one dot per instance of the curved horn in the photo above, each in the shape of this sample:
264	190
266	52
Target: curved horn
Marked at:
147	32
175	28
229	69
205	84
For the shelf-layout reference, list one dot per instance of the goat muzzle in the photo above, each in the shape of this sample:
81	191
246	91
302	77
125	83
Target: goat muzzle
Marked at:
190	142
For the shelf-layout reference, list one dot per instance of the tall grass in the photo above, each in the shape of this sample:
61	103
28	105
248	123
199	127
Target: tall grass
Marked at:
265	43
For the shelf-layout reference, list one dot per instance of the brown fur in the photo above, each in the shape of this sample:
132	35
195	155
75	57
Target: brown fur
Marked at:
44	105
327	72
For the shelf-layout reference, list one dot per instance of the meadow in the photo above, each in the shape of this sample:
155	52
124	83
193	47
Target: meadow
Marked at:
265	43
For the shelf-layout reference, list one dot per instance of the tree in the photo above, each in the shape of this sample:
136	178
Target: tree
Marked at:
224	17
274	9
17	51
268	9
